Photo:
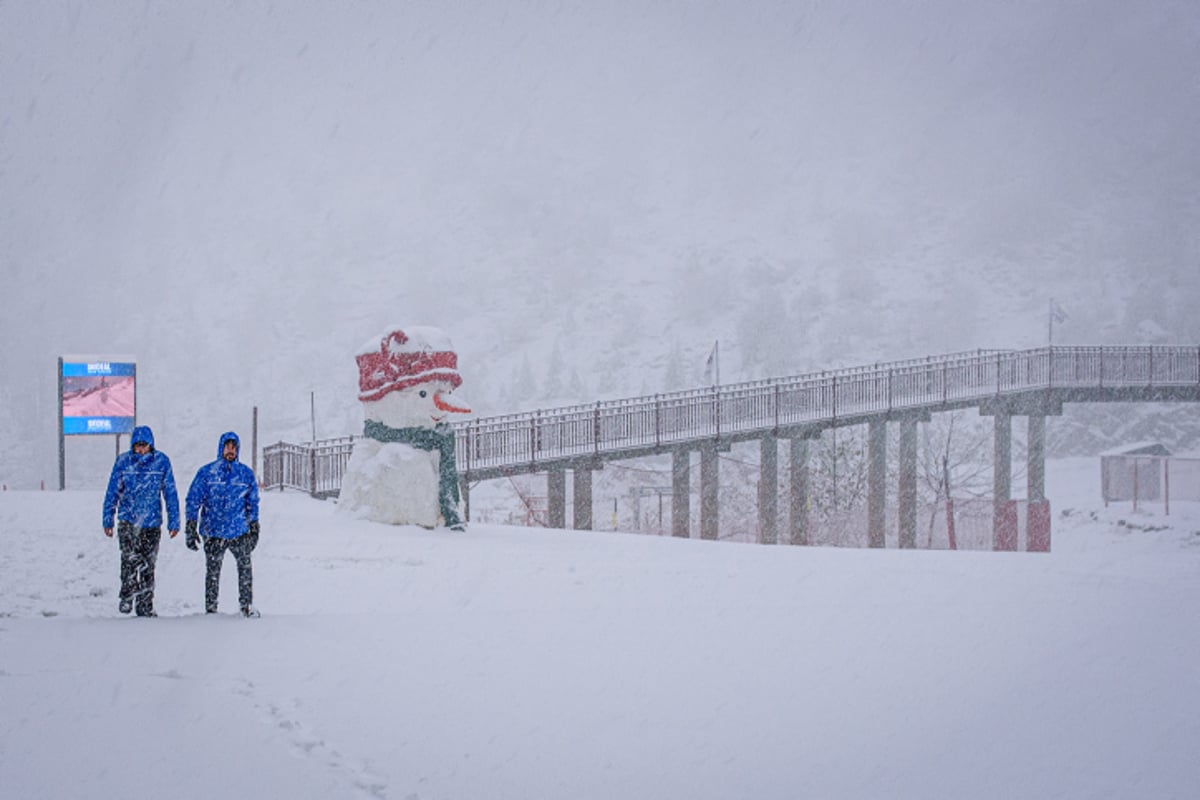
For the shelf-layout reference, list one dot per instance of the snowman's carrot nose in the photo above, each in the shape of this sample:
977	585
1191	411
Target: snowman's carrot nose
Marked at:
446	404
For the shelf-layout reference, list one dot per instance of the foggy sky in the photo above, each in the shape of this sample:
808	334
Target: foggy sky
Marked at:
240	193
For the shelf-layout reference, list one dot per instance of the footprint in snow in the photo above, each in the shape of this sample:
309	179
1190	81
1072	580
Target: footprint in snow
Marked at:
307	745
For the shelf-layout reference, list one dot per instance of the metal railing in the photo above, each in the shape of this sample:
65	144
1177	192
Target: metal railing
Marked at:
534	441
315	467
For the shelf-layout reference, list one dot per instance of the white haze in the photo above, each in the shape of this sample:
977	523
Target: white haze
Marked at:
583	195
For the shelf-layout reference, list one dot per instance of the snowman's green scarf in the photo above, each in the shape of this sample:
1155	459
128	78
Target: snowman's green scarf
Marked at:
440	438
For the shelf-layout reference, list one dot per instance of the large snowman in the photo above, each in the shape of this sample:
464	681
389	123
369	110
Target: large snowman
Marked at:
402	470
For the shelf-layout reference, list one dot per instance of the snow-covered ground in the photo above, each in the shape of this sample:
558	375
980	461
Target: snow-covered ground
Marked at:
525	663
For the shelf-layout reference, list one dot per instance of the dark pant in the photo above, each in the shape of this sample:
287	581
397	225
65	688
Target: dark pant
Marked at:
214	554
139	552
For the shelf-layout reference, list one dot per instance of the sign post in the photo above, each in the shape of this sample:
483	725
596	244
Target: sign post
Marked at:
62	440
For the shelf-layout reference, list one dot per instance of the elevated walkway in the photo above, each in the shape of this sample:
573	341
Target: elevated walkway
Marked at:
1032	383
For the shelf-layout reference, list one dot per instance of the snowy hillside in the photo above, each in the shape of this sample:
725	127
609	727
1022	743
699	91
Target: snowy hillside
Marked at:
516	663
584	196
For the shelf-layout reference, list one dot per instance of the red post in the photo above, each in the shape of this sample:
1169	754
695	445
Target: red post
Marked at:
254	442
1167	485
1037	528
1135	483
1005	525
1104	479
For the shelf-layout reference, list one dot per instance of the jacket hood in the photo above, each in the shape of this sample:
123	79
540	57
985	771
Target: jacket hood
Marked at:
141	433
228	436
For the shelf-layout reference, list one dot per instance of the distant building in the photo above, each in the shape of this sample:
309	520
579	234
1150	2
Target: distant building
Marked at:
1133	472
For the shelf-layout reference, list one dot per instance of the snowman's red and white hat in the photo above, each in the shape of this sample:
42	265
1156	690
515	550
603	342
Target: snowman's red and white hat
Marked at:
403	358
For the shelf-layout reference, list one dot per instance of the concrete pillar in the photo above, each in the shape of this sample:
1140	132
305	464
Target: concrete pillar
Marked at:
768	491
1002	457
681	461
907	492
581	487
876	482
798	500
1037	510
1004	512
710	509
1036	458
556	491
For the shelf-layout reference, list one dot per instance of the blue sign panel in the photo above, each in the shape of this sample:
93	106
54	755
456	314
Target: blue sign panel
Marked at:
98	397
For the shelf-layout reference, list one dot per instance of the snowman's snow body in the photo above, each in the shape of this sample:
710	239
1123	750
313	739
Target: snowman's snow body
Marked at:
406	378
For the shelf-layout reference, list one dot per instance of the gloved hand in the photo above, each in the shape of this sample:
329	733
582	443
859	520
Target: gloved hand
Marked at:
253	534
192	536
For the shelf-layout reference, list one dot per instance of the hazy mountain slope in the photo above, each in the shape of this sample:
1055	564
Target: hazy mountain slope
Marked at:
583	197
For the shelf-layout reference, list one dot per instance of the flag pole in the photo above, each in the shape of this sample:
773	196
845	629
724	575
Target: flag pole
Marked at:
1050	324
717	362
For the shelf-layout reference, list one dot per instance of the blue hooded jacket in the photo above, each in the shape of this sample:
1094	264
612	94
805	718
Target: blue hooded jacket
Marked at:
223	495
139	484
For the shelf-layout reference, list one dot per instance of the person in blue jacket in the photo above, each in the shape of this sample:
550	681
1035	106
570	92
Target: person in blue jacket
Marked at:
141	480
222	510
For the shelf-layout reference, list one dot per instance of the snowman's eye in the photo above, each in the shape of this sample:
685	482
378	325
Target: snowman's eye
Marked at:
422	393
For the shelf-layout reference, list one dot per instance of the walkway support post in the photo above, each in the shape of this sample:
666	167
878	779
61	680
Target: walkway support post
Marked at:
710	510
907	491
768	491
1035	469
556	499
798	499
1037	510
581	488
876	482
1004	516
681	479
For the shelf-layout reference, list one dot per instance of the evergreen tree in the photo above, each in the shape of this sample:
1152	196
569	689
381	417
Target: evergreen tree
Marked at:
552	387
577	390
523	392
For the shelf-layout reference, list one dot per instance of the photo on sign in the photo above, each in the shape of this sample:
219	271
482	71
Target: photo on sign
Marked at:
98	396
